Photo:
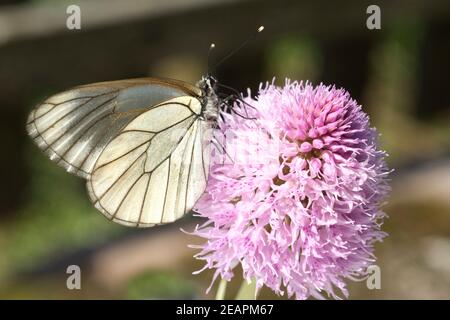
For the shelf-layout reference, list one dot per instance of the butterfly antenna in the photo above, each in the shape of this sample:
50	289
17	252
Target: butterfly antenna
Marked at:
232	52
211	48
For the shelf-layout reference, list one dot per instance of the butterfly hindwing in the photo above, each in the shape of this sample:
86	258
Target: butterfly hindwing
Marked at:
155	169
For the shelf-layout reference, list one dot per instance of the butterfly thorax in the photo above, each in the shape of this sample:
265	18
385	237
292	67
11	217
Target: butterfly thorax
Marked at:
210	100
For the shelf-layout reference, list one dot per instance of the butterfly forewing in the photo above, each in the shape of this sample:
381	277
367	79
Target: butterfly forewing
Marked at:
73	127
155	169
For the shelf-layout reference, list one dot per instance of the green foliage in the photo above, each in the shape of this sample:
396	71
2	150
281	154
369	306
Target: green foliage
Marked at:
295	57
56	216
159	285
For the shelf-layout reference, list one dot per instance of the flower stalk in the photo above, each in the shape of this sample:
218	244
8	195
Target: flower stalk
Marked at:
247	291
221	290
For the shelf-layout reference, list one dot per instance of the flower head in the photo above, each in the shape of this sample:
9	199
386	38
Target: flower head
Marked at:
295	200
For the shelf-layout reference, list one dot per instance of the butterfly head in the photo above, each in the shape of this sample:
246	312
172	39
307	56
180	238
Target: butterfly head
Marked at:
213	101
210	99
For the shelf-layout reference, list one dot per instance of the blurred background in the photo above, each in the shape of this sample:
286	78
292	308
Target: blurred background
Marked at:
400	74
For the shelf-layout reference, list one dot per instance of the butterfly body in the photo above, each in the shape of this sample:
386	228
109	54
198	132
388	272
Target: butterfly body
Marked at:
142	144
210	99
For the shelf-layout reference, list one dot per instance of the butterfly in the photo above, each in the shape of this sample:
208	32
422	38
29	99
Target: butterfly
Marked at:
142	145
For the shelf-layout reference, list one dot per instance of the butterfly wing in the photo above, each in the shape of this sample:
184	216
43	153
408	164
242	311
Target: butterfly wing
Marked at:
156	168
73	127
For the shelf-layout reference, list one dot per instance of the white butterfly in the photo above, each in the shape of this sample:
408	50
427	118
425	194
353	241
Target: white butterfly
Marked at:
141	144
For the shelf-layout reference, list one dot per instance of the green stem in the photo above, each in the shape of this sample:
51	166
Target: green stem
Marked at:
247	291
220	295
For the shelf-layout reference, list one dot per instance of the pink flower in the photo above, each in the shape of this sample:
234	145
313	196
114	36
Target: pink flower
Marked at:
298	206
